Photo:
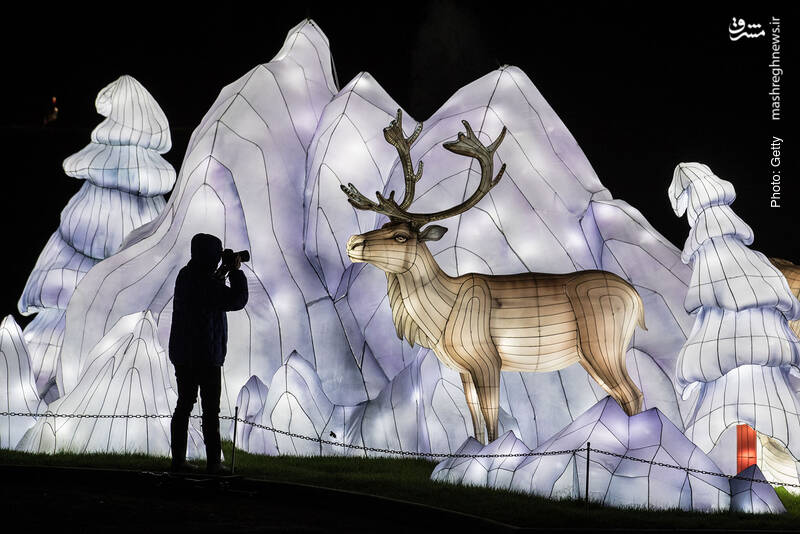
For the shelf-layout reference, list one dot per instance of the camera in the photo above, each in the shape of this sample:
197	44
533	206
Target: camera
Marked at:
229	258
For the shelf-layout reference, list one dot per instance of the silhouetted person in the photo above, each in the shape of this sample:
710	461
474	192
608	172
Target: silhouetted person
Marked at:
198	343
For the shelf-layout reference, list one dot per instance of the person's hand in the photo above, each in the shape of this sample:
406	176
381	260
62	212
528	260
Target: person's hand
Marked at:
237	264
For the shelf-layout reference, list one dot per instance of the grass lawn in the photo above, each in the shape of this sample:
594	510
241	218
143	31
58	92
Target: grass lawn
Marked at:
408	480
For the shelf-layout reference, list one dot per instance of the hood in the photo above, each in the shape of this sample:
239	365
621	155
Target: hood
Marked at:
206	251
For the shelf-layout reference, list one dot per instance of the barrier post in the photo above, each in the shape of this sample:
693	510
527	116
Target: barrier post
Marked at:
587	475
233	451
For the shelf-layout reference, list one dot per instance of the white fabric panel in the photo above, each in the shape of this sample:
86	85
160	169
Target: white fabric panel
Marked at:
712	222
58	270
97	219
134	117
777	463
725	451
724	339
44	337
729	275
348	147
130	168
18	388
250	400
749	394
741	348
694	188
754	497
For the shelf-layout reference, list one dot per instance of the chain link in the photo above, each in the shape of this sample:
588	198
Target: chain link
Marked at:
89	416
400	452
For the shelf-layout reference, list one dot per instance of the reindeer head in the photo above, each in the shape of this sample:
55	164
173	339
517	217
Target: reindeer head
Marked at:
393	247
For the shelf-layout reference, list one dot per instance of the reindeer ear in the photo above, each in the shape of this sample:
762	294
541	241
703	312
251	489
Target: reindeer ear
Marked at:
433	232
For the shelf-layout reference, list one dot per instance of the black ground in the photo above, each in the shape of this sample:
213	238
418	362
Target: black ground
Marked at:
64	499
106	500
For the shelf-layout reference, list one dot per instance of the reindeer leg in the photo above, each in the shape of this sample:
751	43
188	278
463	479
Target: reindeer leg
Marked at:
489	397
607	310
474	407
469	344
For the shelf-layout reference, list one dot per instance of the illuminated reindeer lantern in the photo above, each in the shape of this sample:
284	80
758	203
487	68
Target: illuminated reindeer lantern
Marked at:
480	324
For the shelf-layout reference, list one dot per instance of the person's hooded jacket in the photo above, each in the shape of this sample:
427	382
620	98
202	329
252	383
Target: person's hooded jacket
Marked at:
199	334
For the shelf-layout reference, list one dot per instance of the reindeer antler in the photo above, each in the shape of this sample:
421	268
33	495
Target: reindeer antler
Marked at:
388	206
465	145
470	145
394	135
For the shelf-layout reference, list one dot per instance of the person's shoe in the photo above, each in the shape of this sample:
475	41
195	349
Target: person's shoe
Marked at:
217	469
183	467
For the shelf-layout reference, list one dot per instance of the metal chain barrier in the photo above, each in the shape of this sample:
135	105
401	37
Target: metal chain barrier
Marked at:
691	469
401	452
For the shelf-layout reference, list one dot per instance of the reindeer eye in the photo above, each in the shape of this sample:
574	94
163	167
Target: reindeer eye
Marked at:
400	238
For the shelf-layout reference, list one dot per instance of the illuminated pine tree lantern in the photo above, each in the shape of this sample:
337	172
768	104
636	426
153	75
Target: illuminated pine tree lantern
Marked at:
741	348
125	178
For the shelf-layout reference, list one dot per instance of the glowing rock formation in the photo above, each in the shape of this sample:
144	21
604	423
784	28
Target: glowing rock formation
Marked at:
648	436
17	389
251	400
125	180
127	372
421	410
754	497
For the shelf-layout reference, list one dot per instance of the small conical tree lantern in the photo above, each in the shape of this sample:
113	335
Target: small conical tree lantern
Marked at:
742	301
741	348
125	178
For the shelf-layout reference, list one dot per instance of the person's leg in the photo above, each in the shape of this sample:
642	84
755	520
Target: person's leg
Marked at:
179	427
210	389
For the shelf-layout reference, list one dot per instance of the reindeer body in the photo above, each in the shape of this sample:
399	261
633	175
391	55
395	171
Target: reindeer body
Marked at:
531	322
481	324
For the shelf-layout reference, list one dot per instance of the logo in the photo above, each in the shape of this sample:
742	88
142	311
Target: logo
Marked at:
738	29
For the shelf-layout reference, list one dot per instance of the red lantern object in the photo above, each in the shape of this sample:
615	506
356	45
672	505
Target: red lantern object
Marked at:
745	447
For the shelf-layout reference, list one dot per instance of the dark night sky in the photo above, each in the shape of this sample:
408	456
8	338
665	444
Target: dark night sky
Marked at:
640	89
